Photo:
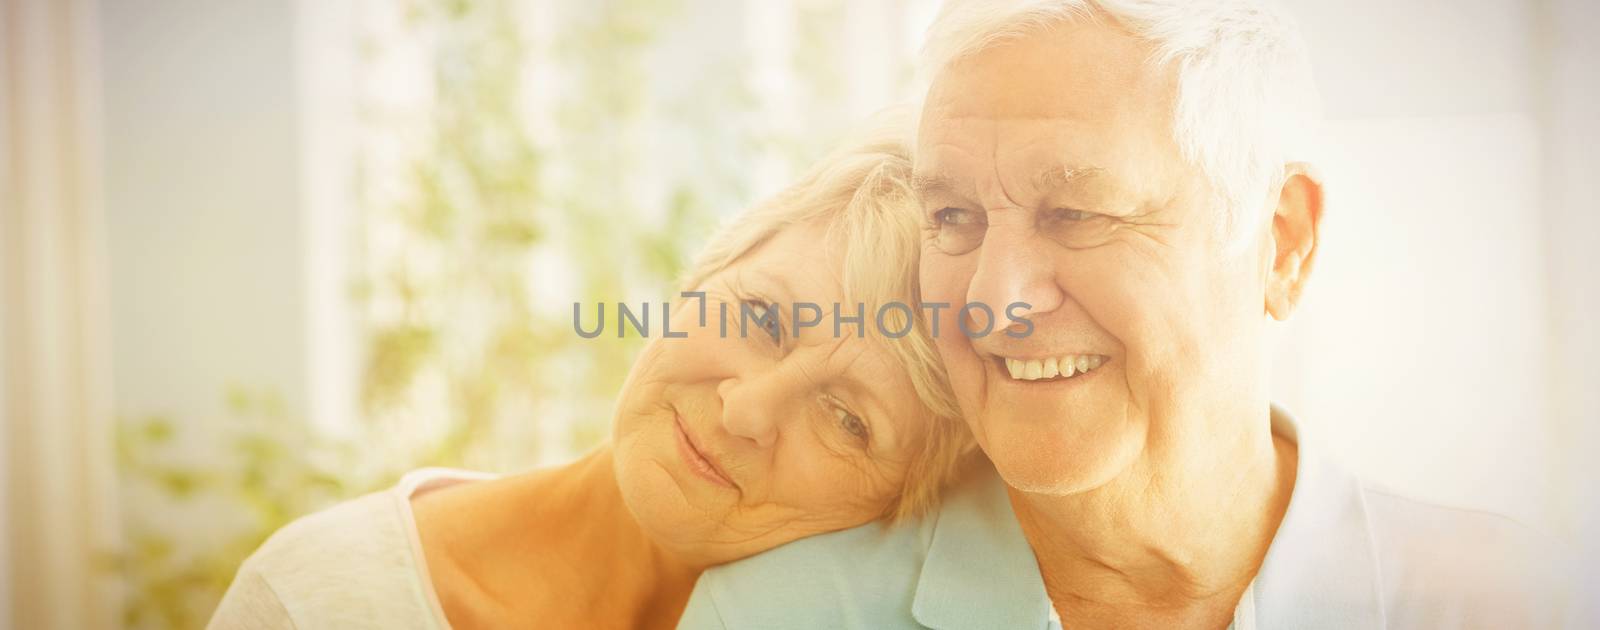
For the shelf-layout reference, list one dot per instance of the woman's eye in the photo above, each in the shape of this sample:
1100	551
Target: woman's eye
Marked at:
762	315
851	423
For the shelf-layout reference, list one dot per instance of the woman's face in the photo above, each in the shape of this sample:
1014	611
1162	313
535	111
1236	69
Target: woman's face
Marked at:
727	446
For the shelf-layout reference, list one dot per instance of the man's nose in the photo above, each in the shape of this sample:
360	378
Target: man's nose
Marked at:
1015	266
753	404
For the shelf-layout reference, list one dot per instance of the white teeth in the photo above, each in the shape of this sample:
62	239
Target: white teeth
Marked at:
1053	367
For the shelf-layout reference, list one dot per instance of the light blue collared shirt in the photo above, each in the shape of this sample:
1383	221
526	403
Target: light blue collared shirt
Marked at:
1345	556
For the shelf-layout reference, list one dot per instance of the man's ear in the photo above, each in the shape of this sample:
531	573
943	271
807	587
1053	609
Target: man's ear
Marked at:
1295	225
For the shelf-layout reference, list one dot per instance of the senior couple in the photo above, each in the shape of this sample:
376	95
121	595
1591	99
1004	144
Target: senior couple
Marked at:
1131	172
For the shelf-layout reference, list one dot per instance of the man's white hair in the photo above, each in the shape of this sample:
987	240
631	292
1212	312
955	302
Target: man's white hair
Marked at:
1246	102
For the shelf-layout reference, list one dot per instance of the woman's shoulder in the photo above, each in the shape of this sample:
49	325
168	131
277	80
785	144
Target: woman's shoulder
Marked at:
355	564
866	577
836	580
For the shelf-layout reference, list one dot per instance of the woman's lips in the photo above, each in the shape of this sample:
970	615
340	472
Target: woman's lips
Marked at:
697	460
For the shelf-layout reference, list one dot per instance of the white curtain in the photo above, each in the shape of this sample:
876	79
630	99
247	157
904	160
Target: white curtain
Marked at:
57	519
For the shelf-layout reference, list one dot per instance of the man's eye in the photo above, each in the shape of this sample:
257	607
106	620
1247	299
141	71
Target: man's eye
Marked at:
1068	215
953	216
957	231
1076	228
851	423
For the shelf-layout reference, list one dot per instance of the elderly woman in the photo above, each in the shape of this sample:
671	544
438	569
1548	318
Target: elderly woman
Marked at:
1127	172
724	445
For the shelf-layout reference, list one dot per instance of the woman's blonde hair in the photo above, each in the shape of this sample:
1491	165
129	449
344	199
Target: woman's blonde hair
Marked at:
863	192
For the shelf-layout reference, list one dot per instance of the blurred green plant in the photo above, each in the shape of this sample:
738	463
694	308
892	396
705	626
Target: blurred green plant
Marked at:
270	468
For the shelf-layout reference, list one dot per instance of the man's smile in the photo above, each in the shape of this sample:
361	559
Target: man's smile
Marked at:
1060	367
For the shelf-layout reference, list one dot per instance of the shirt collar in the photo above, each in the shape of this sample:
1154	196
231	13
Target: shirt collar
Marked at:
979	571
1320	571
1322	568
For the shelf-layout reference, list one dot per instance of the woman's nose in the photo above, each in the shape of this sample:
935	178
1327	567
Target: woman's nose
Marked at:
751	406
1014	268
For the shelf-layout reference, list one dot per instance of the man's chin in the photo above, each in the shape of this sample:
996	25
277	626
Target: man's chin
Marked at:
1059	459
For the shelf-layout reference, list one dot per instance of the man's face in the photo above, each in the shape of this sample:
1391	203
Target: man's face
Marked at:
1049	175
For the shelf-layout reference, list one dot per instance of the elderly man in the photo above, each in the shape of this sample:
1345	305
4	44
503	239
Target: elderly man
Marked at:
1129	171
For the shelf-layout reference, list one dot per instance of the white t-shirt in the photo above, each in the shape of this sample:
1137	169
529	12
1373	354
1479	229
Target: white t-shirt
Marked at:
358	564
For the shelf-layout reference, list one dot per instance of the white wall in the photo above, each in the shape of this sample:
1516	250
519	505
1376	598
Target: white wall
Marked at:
205	230
1431	349
204	204
325	69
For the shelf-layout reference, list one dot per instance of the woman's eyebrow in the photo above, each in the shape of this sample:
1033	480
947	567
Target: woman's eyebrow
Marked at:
775	277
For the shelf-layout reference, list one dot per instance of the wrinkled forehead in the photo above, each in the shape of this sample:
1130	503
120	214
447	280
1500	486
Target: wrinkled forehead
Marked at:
803	273
1077	103
1090	72
803	261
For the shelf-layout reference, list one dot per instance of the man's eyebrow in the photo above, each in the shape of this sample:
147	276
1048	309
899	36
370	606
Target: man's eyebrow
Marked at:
931	184
1059	176
1047	179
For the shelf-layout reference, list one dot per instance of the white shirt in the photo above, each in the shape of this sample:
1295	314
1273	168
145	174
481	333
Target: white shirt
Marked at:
356	565
1346	555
